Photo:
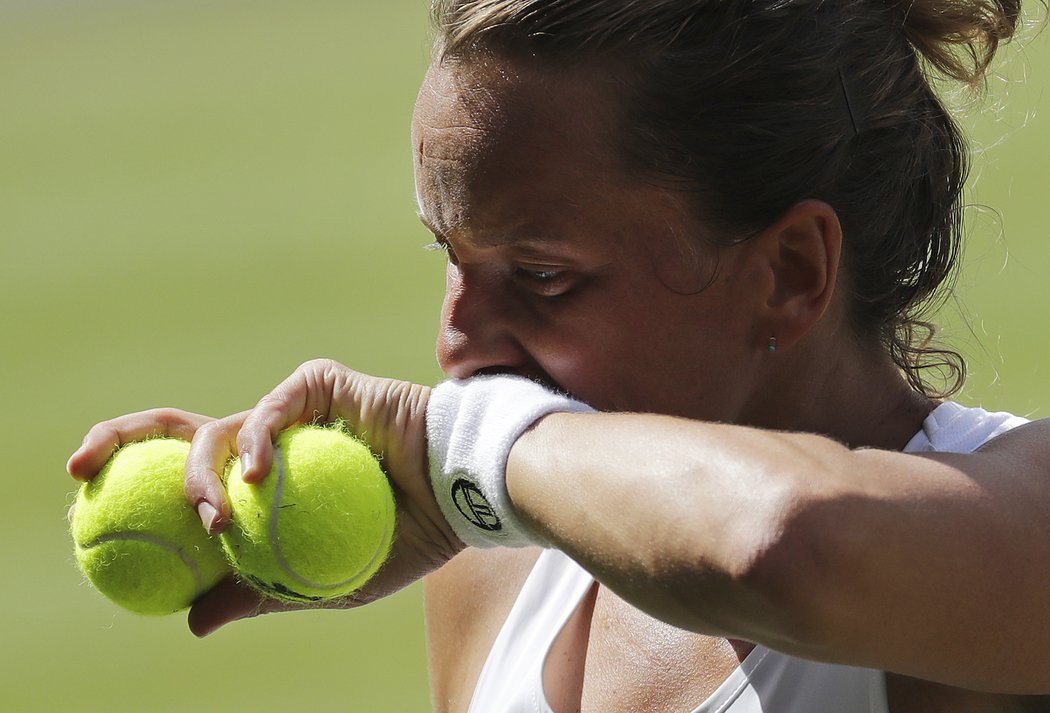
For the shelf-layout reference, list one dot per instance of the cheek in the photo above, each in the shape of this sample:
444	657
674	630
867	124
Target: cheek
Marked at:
675	356
594	352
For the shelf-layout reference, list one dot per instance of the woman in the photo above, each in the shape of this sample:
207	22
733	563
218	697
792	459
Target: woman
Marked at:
704	233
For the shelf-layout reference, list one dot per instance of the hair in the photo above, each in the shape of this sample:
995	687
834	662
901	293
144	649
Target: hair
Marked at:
754	105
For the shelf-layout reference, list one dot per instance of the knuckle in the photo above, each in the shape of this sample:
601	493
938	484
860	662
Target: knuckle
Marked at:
175	423
210	431
218	431
227	422
323	370
104	435
194	489
268	407
274	399
169	416
98	431
193	482
320	364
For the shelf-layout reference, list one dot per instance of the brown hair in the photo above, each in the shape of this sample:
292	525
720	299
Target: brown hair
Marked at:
754	105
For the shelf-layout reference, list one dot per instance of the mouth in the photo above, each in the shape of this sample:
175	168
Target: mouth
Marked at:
533	374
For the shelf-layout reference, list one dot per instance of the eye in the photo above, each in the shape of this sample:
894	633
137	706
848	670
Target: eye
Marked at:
541	276
547	282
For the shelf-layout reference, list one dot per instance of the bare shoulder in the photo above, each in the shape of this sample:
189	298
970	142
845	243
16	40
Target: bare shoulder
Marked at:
910	695
1015	462
1028	442
466	603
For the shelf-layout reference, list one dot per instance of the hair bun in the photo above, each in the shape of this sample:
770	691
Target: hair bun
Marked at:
959	38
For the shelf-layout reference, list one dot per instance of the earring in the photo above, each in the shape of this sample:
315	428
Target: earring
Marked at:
772	348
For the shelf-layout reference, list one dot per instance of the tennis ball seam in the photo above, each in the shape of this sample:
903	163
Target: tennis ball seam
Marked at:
275	544
191	564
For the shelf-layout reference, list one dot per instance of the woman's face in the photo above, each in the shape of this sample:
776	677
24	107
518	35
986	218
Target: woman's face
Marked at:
565	267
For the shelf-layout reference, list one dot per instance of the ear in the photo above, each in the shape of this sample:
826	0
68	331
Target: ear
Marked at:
803	248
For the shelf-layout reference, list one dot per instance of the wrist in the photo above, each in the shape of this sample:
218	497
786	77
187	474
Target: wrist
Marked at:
471	426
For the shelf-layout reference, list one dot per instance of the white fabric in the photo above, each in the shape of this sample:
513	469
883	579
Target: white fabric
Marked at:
471	426
765	682
953	428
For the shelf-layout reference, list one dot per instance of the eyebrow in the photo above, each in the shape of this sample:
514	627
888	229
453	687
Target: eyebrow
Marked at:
528	239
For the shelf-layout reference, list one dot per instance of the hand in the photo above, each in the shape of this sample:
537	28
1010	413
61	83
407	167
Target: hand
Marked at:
106	437
389	415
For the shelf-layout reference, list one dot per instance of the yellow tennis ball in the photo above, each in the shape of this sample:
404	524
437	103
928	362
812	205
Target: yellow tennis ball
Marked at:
320	524
137	539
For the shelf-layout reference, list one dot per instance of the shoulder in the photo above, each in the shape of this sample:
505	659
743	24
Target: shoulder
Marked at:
1026	437
1007	443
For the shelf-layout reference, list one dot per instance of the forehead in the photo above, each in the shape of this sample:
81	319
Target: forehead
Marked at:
489	132
500	98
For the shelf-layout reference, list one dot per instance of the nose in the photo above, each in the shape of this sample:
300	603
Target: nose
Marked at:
477	332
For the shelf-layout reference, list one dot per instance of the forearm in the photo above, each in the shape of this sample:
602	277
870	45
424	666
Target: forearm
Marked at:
796	542
673	515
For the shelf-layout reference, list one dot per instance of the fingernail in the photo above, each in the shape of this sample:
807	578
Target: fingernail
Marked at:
72	509
246	463
208	515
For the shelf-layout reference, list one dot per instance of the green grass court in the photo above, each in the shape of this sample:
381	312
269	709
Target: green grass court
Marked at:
197	196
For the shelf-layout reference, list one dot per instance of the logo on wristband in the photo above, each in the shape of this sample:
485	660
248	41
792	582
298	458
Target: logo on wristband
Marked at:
473	505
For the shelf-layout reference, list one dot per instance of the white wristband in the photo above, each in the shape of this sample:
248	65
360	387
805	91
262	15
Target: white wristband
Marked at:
471	426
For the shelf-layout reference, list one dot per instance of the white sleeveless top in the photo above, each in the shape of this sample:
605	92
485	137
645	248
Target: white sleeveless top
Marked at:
765	682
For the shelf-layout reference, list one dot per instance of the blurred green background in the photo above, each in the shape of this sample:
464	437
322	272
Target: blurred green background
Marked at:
197	196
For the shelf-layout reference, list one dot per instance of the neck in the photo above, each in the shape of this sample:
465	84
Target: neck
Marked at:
856	396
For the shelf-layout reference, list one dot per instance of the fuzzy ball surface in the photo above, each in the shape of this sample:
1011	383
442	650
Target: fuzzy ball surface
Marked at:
320	524
137	539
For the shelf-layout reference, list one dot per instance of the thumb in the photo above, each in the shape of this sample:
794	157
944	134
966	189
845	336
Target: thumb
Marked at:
230	600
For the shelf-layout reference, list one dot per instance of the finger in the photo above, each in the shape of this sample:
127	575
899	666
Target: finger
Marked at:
103	439
298	399
228	601
212	448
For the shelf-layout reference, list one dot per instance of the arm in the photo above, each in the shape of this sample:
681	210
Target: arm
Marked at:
933	566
